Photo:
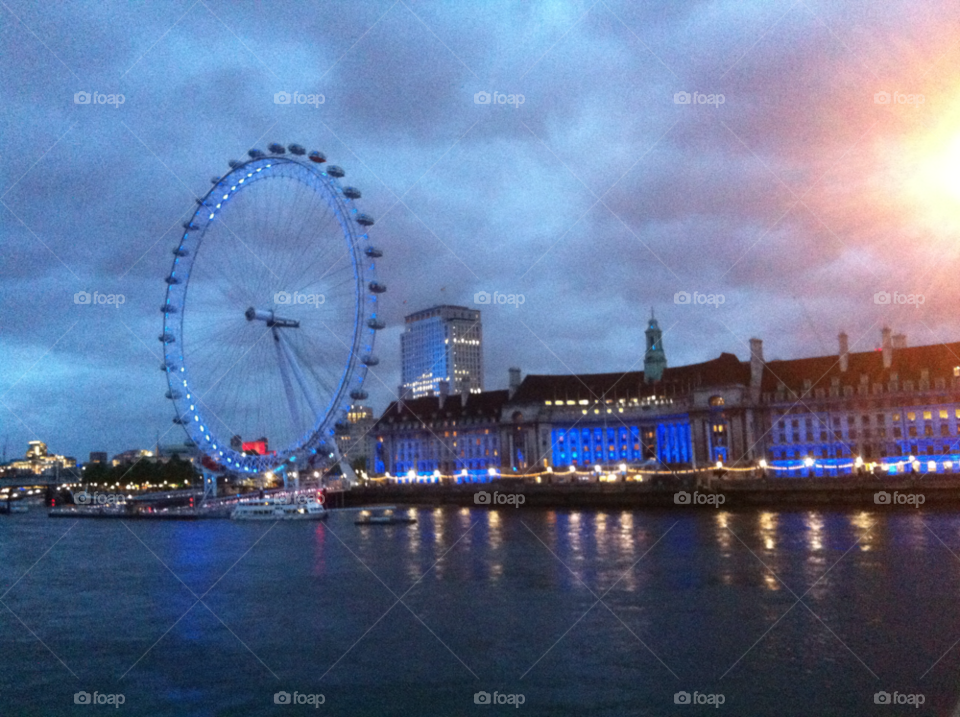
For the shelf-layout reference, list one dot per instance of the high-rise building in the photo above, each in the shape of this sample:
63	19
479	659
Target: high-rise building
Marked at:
442	344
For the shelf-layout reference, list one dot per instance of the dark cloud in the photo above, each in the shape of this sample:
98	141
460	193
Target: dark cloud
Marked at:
597	198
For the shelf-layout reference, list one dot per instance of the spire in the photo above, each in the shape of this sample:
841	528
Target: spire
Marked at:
654	359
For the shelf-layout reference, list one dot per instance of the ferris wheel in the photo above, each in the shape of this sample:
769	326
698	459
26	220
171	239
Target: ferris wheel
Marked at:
271	313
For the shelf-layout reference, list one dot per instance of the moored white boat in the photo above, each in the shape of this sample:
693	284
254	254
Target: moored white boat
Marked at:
280	508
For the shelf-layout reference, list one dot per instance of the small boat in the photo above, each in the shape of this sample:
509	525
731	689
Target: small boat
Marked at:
12	506
388	518
279	509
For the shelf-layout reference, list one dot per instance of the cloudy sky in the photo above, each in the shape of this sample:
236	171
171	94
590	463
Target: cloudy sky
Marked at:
820	166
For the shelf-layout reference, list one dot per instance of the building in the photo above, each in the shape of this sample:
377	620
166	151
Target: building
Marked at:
39	461
896	409
443	343
132	456
186	451
98	457
453	434
352	438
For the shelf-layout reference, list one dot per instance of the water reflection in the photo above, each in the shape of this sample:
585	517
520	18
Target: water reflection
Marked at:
768	523
814	533
863	523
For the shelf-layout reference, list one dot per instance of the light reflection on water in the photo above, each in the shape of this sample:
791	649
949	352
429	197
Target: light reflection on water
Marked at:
878	584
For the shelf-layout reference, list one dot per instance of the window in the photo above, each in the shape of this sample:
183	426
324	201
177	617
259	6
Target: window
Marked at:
928	430
927	415
880	418
911	416
897	432
896	416
944	429
943	413
912	431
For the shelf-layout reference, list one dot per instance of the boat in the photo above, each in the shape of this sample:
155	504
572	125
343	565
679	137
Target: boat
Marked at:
12	506
387	518
280	509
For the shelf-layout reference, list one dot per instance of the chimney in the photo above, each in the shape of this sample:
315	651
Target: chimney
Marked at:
844	352
756	367
887	346
899	341
443	390
514	381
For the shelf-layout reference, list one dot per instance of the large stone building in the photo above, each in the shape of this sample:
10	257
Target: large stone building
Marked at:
895	409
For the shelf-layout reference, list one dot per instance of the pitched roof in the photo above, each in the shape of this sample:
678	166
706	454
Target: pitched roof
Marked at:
723	370
485	404
907	363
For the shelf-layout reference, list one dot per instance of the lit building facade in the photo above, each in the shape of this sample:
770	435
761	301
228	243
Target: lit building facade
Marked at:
453	435
892	410
443	343
352	437
896	409
39	460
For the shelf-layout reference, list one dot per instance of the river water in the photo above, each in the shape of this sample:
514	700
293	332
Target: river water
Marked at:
566	613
